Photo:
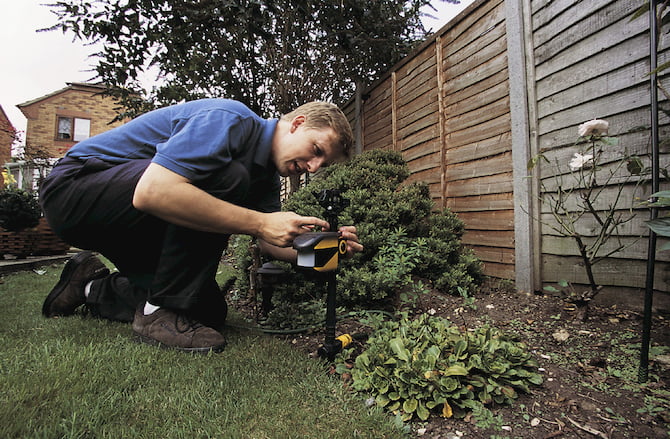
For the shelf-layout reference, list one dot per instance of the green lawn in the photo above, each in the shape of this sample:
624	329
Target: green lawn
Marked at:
78	377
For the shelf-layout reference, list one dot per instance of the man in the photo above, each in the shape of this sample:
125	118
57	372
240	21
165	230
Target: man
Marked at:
159	197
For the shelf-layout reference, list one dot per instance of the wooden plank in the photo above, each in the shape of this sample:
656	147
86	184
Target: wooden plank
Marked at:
481	73
496	93
416	123
588	226
429	176
417	109
489	238
457	136
382	134
490	54
473	90
476	23
478	150
601	199
500	271
612	272
471	27
426	162
633	120
478	55
578	22
616	103
378	96
601	40
420	69
418	87
491	184
480	202
630	143
604	70
497	255
426	95
422	136
610	82
487	112
545	10
494	165
429	148
493	220
636	248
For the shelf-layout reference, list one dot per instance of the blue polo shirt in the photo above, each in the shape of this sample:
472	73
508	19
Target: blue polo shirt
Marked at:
195	139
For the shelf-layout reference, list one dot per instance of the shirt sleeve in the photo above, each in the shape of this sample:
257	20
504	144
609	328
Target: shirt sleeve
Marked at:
202	143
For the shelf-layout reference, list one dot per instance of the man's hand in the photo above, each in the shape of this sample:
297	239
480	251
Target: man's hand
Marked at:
349	234
281	228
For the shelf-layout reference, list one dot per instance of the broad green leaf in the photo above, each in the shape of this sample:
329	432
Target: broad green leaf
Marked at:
382	400
660	226
398	348
455	370
509	392
422	412
410	405
363	360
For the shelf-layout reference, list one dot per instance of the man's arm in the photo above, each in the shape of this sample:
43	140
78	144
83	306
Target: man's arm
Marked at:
173	198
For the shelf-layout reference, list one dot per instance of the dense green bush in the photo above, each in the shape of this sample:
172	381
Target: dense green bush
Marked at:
18	209
413	367
403	238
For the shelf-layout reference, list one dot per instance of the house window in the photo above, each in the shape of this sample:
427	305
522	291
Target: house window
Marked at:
73	128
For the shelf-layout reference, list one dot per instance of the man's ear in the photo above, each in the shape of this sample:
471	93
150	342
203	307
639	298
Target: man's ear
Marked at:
296	122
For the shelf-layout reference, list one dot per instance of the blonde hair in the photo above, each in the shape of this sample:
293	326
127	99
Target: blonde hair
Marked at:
326	115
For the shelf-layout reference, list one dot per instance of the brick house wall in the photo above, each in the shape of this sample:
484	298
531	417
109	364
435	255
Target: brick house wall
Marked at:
78	101
7	135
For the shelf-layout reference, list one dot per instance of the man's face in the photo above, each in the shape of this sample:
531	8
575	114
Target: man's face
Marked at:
303	149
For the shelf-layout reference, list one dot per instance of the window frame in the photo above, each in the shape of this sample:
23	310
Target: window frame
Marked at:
72	127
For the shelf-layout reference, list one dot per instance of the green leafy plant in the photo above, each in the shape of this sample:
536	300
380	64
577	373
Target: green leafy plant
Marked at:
423	365
660	226
401	233
18	209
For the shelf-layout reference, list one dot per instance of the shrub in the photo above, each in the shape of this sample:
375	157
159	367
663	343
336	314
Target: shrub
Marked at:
402	235
18	209
413	367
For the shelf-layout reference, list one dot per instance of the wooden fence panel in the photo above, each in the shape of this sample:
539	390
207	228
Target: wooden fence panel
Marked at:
591	61
446	109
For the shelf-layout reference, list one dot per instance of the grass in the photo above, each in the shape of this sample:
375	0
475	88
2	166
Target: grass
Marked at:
79	377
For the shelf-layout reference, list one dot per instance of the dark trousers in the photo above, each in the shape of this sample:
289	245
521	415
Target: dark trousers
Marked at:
89	205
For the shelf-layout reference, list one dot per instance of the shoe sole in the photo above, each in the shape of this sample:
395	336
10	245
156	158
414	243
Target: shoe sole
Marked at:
150	341
65	277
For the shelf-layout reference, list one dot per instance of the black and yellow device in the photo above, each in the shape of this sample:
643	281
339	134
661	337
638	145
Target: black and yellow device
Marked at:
321	252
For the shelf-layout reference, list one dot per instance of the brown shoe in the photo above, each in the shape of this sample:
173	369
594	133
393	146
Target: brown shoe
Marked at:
167	329
68	294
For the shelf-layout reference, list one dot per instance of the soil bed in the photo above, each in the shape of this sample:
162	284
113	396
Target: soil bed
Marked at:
590	368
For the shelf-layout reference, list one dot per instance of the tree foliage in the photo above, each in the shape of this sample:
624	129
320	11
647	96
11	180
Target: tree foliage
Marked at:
269	54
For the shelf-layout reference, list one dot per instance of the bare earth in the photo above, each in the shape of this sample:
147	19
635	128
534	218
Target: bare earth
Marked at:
590	369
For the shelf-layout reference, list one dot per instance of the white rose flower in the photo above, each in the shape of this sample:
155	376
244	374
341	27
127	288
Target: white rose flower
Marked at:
579	161
593	127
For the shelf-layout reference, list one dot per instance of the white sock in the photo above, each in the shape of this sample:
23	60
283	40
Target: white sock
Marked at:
87	289
149	308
